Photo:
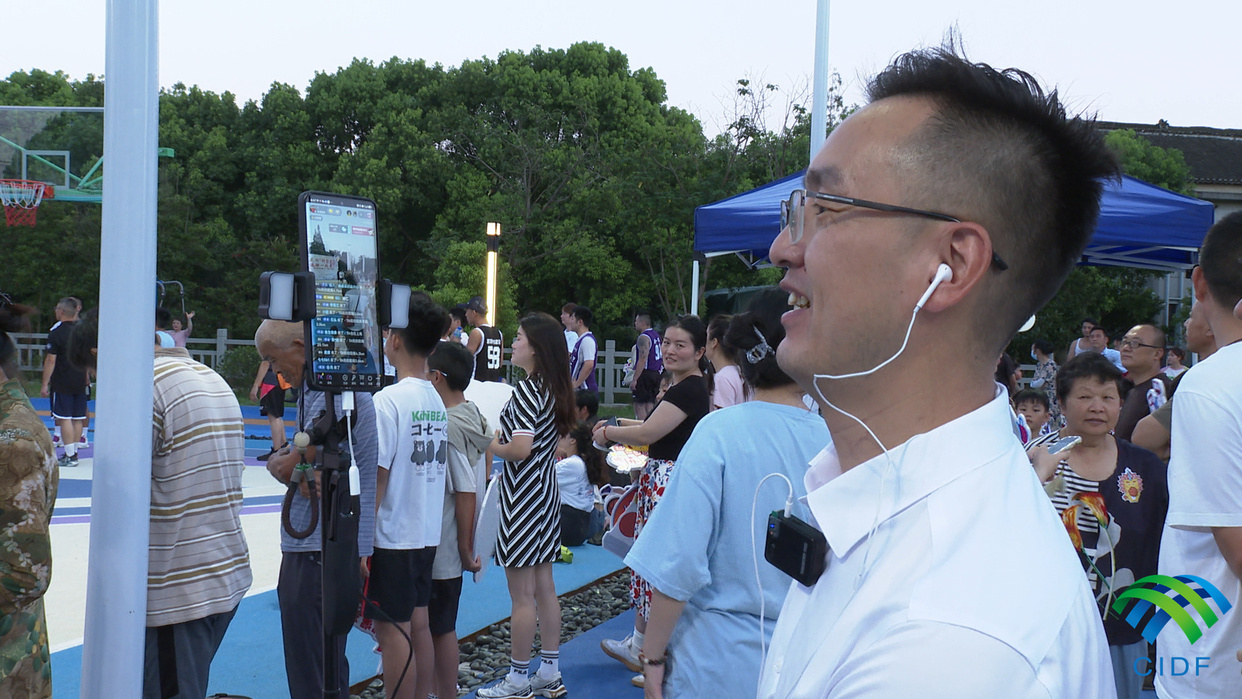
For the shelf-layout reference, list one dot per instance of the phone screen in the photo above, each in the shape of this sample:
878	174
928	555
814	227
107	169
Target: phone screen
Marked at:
339	246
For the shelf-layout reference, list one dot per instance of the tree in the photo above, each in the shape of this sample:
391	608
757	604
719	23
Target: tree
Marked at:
1163	167
592	175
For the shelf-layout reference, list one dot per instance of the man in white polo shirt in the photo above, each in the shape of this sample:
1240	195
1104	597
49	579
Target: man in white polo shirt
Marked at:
1203	530
971	194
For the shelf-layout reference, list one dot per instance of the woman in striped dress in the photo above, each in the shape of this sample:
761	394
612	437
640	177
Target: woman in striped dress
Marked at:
531	423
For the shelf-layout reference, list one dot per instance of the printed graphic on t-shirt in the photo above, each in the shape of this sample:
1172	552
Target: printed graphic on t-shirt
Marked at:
429	435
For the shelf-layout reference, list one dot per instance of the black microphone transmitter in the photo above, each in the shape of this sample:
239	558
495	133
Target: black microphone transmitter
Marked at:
795	548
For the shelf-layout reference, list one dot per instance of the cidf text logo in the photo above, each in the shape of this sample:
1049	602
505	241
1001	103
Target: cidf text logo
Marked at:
1153	592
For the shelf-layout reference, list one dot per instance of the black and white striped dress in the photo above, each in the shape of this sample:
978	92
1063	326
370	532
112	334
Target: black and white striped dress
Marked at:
530	512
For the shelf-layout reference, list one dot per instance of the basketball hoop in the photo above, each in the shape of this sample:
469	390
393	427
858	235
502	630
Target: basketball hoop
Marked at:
21	200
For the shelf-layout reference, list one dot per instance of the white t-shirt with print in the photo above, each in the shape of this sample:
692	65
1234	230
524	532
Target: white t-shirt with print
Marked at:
412	426
1205	491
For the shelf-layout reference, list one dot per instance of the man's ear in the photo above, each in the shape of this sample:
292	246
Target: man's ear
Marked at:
1202	293
967	249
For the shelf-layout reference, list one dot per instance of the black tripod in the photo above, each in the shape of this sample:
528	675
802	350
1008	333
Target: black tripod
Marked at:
339	513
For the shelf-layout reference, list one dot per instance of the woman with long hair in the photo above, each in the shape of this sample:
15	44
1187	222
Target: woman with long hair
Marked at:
531	423
699	548
666	430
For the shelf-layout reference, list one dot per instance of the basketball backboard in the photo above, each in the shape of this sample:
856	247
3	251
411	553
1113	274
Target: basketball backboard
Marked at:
60	146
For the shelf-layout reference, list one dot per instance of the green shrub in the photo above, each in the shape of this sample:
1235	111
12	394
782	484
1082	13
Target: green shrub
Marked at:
238	366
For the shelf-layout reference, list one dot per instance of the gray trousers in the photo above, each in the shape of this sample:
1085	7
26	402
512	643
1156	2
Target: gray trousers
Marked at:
299	593
1129	682
178	657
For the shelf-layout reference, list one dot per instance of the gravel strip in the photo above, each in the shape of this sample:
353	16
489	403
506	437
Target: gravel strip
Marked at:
485	658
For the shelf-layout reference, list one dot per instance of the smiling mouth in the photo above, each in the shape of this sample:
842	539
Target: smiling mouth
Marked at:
798	301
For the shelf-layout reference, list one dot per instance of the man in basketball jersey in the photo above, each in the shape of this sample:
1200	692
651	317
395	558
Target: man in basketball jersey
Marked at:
648	365
582	358
486	343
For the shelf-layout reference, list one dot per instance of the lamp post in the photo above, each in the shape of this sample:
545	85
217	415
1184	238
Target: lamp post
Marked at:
493	248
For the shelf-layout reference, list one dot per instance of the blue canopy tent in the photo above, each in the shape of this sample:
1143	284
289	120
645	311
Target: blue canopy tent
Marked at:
1141	225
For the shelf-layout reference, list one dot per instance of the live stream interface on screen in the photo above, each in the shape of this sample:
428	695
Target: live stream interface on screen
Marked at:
342	256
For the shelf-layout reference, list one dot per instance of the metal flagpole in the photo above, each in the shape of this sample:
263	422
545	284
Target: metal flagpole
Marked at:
116	582
819	93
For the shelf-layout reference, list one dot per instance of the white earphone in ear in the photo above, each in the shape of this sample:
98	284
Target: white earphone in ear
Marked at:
943	273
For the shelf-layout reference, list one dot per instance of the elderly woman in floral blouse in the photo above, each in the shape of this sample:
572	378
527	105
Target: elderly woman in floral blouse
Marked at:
28	479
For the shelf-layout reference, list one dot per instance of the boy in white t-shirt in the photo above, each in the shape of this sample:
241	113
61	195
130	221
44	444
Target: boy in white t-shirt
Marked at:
412	428
449	369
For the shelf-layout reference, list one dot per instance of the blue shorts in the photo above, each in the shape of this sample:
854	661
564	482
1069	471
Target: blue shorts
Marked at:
69	406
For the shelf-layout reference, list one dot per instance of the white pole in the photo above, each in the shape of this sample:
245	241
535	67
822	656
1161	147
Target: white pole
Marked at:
116	580
819	91
694	288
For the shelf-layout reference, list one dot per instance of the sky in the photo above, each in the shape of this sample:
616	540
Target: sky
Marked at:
1150	61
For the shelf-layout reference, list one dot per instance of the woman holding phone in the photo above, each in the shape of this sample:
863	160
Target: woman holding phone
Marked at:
666	430
540	412
1112	497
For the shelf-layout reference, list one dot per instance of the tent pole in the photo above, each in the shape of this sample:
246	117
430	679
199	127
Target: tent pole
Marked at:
694	287
819	92
116	575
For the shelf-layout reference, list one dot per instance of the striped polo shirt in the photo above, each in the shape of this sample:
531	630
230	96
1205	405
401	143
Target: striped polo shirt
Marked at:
199	564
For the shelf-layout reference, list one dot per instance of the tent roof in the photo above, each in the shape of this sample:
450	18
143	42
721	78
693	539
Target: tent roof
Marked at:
1141	225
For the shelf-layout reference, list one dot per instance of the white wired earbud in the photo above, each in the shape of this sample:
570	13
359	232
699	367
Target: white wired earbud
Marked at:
943	272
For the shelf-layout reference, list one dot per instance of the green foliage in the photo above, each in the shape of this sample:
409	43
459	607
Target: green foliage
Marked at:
1116	297
1164	167
592	175
463	275
238	367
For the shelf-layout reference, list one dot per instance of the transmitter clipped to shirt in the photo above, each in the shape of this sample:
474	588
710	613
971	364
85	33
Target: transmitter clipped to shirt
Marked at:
795	548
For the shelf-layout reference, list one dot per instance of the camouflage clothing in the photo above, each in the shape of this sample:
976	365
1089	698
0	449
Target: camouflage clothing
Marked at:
28	479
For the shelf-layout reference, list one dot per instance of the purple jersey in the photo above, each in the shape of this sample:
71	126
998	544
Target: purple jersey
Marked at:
655	361
578	357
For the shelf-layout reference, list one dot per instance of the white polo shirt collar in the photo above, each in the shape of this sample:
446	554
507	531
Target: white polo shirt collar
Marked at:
844	504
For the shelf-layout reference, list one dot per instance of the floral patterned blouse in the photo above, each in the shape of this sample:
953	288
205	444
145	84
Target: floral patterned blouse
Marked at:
1047	371
28	480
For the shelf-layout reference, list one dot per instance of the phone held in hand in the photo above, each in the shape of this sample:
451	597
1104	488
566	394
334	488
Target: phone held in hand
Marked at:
1064	445
610	422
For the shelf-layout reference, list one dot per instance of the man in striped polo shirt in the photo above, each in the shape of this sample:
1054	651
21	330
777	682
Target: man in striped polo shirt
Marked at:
198	565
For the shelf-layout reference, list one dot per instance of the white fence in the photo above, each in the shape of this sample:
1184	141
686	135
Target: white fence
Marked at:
609	364
30	348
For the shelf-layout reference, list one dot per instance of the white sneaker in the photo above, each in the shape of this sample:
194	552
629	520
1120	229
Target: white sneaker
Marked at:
623	651
508	690
550	687
639	681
